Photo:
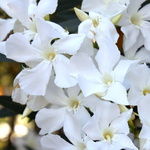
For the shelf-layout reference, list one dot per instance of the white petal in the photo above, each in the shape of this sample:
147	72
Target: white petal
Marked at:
34	81
87	47
73	91
98	145
4	6
92	129
143	55
145	12
134	95
125	19
72	128
86	27
21	7
91	5
119	73
145	132
107	51
47	31
82	115
46	7
146	144
141	77
35	103
19	49
50	120
63	78
90	86
54	94
117	93
114	8
3	48
108	29
146	34
70	44
136	4
6	25
131	52
87	67
91	102
59	28
104	115
124	142
129	38
144	108
120	124
19	96
54	142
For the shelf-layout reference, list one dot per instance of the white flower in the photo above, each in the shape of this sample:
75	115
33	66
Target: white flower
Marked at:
108	130
42	56
25	12
6	25
33	102
135	24
138	53
107	81
108	8
144	110
140	89
73	131
71	101
98	28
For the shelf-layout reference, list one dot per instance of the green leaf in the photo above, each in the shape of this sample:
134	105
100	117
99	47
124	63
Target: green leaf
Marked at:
65	15
7	102
13	107
4	112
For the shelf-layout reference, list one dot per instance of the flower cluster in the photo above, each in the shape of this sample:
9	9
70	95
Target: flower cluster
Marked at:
91	88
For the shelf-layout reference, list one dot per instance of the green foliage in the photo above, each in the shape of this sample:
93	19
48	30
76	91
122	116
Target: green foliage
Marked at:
11	108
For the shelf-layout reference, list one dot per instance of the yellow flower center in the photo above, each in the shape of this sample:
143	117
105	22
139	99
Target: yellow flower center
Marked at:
95	22
73	103
49	54
81	146
107	79
146	91
108	134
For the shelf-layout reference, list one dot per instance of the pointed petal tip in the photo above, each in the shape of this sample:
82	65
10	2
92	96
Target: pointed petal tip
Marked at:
26	112
80	14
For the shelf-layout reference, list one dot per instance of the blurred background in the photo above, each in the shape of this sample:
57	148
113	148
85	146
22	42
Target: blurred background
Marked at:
15	133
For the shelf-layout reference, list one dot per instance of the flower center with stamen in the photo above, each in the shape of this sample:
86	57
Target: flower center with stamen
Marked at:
81	146
95	22
136	19
108	134
33	27
73	103
107	79
49	54
146	91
